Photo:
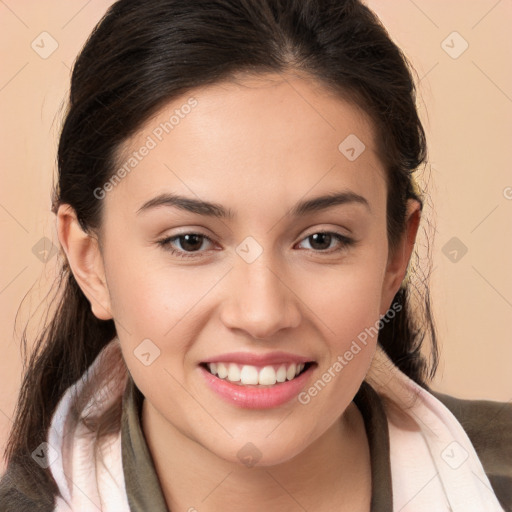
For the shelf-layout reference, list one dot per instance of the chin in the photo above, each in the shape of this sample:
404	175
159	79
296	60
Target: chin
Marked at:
258	452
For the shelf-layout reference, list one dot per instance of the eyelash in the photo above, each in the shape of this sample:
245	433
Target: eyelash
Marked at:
166	243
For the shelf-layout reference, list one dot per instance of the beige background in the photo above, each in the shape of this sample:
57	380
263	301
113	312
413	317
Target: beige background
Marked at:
466	106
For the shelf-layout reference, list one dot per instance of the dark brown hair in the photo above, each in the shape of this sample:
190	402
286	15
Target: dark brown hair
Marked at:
142	55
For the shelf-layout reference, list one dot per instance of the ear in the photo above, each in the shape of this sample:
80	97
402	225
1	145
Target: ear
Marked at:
398	260
85	260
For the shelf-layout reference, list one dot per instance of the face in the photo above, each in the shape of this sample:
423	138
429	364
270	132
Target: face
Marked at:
256	274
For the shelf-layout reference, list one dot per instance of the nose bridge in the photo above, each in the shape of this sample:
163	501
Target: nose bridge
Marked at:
259	300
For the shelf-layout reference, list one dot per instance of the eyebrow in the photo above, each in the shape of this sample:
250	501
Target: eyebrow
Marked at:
211	209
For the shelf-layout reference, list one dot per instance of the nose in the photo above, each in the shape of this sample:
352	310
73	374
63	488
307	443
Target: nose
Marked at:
260	301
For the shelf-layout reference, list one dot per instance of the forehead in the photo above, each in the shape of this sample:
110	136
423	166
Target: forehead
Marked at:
278	135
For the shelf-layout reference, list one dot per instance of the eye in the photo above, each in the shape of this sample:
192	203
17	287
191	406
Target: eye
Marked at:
192	241
324	238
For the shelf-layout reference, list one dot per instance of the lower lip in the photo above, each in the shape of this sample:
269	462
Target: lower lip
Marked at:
251	397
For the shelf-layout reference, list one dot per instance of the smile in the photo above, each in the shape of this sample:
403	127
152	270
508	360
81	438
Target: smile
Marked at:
246	375
256	387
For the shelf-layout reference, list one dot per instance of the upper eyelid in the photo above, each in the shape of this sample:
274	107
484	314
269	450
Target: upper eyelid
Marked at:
211	239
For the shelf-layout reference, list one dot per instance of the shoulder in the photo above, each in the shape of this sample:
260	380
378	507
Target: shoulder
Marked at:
488	425
22	491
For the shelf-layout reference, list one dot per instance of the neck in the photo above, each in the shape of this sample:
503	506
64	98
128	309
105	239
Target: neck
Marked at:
332	473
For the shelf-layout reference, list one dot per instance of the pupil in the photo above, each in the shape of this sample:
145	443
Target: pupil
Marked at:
187	241
321	236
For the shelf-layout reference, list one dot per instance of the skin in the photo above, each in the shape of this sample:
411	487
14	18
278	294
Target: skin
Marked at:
256	147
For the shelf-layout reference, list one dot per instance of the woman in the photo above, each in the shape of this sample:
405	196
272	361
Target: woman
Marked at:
208	352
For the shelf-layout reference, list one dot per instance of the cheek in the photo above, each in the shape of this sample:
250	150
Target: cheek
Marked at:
346	300
147	294
349	319
154	315
161	302
141	302
347	308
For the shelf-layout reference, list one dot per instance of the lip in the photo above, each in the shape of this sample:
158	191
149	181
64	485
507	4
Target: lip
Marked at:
252	359
257	397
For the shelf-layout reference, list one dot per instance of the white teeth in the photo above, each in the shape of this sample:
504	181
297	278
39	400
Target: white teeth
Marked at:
233	372
222	371
281	374
267	376
290	373
251	375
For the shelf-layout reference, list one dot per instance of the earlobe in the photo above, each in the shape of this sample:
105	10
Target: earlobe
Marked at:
85	260
399	260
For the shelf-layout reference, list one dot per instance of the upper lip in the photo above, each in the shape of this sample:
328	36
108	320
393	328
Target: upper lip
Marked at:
258	359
